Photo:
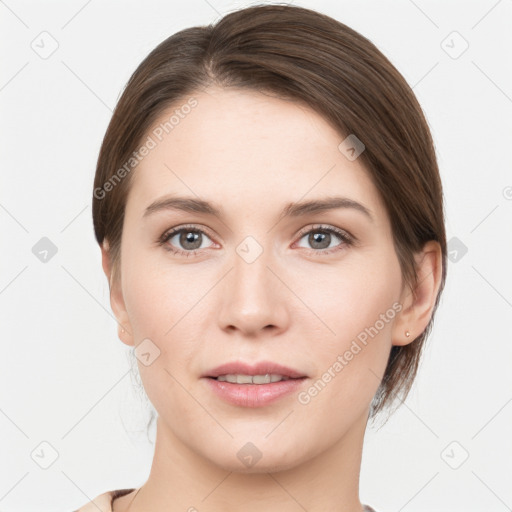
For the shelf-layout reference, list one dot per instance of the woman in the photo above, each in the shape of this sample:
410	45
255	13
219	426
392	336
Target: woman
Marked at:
269	209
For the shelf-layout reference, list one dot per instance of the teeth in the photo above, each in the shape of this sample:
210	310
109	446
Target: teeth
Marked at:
251	379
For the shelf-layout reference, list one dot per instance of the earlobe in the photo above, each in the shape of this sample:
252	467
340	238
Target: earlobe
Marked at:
124	330
419	302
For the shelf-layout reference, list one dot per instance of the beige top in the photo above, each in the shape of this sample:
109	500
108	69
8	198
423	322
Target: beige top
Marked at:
103	503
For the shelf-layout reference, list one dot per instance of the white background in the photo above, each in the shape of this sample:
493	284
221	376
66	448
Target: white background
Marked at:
65	377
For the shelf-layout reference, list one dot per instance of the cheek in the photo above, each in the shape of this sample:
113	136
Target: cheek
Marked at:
350	299
357	307
157	304
153	295
164	305
149	315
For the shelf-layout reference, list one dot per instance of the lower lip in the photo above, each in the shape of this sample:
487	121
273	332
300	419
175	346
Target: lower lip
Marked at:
254	395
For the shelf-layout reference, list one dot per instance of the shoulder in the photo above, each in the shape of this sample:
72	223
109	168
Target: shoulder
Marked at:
103	502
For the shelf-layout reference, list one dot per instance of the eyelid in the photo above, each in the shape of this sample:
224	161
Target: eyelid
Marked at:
326	227
182	227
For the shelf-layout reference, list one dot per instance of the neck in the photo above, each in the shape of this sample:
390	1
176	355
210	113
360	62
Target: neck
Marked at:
181	479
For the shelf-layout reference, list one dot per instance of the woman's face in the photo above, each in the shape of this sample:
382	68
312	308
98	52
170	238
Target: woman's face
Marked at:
317	290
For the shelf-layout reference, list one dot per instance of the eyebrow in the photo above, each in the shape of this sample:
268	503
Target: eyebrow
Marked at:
297	209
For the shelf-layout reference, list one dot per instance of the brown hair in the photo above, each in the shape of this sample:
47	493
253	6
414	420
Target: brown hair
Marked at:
308	57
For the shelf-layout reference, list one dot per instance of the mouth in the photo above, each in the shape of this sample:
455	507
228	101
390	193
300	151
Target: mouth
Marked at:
256	385
268	378
259	373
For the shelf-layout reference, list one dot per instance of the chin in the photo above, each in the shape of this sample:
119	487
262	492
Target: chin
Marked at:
250	460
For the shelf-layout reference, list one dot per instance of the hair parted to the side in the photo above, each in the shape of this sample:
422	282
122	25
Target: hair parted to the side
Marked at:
307	57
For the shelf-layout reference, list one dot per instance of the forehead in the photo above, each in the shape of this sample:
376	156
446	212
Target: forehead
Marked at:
237	144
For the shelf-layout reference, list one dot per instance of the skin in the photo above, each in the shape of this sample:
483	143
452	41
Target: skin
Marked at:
295	305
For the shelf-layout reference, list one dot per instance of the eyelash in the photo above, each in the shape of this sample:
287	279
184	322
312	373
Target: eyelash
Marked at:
347	240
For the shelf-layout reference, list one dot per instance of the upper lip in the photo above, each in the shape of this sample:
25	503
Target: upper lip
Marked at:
261	368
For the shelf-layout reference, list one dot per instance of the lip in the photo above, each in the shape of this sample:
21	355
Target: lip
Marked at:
254	395
261	368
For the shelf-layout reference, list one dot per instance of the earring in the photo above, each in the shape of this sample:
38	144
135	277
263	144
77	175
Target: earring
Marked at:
407	334
122	330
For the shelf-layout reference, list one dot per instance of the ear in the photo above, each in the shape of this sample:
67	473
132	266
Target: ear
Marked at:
418	303
124	329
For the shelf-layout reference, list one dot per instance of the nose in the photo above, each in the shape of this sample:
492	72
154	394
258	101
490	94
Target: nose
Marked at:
253	297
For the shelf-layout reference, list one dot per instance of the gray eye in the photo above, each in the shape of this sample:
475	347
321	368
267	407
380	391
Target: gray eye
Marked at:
188	239
320	239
